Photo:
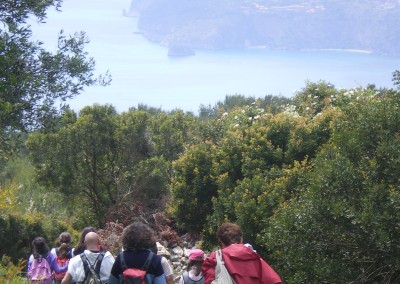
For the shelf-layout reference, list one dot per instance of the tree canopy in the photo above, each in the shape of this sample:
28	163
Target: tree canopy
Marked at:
314	186
34	83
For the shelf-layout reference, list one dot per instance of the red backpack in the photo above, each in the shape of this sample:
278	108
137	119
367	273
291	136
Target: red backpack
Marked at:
135	275
61	262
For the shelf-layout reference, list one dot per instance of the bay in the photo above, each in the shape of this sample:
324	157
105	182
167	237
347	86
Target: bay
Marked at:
143	73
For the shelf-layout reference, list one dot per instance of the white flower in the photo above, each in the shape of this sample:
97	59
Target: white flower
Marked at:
237	125
236	117
250	118
225	114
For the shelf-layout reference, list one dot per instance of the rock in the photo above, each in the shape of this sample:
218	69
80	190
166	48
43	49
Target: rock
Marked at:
176	264
177	250
161	250
186	252
179	51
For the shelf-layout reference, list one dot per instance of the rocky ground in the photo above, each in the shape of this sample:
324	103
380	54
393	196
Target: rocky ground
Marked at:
177	255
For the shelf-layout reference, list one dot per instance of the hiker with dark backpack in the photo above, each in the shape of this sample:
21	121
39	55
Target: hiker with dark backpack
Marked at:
137	264
63	253
42	263
92	266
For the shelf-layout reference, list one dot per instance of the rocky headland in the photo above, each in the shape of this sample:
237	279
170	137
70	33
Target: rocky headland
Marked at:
370	26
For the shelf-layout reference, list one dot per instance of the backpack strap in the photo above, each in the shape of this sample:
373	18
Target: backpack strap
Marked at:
87	266
188	280
185	277
122	259
148	260
69	255
98	262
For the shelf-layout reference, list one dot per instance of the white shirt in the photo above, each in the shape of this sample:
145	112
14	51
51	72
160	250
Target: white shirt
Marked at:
166	266
77	272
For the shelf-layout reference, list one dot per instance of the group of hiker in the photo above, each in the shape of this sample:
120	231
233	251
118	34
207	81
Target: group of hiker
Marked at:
138	261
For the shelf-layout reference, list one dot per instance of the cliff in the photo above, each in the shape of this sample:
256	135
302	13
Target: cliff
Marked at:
280	25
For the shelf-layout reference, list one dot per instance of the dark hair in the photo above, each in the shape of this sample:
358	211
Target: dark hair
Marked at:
196	264
40	247
229	233
63	251
138	236
65	238
80	246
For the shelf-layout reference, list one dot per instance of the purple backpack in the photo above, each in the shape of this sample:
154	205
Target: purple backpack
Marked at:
40	271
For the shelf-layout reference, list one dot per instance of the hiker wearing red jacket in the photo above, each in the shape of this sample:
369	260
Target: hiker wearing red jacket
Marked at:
243	264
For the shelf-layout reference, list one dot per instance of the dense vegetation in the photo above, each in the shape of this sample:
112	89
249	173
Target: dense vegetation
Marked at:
313	180
315	187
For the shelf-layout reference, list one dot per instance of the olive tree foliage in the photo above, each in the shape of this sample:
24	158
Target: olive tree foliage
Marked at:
34	83
112	166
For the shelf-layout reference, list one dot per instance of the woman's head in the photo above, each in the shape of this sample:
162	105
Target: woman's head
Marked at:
138	236
39	247
196	259
229	233
64	238
80	246
63	252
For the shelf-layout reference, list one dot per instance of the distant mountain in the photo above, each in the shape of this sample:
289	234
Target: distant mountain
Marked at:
370	25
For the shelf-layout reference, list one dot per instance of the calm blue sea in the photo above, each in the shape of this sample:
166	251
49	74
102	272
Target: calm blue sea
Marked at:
143	73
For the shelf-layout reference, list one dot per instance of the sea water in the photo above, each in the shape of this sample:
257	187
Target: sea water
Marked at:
143	73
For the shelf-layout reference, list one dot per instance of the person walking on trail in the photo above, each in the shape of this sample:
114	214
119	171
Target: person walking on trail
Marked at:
193	275
62	253
42	263
80	246
244	265
64	238
91	263
137	261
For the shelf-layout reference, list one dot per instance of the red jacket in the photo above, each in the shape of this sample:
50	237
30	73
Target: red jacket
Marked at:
244	265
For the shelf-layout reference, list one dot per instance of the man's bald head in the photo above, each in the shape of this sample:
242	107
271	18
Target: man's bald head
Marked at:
92	241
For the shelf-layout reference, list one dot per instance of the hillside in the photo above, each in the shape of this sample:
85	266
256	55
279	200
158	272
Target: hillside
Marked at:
278	25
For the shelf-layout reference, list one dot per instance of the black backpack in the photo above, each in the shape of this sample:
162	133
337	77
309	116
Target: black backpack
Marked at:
92	271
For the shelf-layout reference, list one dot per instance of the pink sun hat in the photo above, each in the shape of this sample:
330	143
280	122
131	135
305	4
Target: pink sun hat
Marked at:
196	254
